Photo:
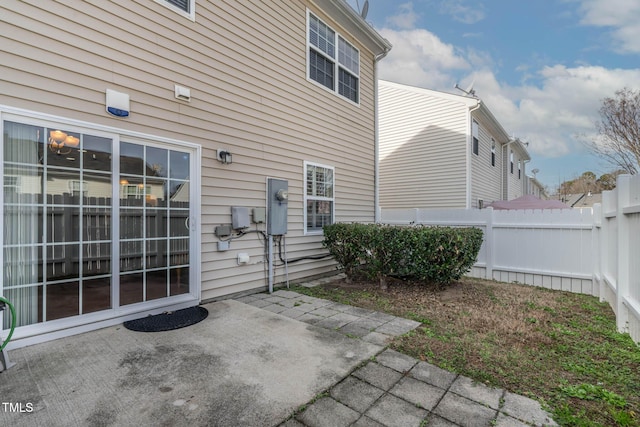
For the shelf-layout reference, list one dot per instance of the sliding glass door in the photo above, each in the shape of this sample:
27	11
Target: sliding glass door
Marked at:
92	222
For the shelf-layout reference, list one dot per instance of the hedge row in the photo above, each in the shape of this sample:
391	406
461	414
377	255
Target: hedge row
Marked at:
436	254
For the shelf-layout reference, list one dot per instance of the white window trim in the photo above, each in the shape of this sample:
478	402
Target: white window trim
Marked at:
336	62
306	197
192	9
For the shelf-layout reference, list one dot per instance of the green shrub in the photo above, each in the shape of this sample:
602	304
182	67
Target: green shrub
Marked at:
343	242
435	254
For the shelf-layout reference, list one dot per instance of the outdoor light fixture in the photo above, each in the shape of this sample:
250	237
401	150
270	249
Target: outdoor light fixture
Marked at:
225	157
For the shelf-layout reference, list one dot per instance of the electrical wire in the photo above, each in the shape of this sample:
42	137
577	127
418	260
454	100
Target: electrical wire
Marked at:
293	260
264	239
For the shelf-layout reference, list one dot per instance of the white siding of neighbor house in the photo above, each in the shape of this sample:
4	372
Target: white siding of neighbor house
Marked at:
486	180
245	63
423	142
515	184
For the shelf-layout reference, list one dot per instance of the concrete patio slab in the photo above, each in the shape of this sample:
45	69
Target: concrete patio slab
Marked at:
525	409
395	360
240	366
327	412
392	411
378	375
477	392
356	394
248	366
421	394
464	412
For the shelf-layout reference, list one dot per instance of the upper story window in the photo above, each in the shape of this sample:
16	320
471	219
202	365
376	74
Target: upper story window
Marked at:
11	184
474	135
79	188
493	152
333	62
319	198
511	160
519	169
183	7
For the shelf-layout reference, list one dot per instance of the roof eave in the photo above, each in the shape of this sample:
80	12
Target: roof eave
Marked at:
348	18
490	120
521	148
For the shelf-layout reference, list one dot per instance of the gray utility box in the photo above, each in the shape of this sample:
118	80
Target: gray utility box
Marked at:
277	202
239	217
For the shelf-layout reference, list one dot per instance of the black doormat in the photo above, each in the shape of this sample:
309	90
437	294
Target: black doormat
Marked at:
169	320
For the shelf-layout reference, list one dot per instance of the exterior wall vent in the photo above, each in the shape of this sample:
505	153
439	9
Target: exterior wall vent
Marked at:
183	93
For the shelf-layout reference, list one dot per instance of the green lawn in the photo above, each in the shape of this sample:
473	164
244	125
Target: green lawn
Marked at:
557	347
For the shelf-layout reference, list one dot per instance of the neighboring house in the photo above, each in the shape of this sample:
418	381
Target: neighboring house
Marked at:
582	200
535	187
131	128
515	159
441	150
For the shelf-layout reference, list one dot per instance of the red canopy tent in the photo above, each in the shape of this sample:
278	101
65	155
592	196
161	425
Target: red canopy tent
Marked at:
528	202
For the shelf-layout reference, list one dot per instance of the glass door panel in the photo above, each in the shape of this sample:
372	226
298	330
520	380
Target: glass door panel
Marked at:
155	211
131	288
57	222
156	284
96	294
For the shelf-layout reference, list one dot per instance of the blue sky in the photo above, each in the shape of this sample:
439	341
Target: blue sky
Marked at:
542	66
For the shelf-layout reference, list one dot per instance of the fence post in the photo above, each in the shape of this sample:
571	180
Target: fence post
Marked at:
488	241
624	267
598	251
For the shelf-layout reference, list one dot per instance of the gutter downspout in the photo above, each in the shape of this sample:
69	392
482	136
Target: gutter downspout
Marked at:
468	151
525	181
376	138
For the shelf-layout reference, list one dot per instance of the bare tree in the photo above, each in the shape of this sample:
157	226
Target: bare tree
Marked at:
587	182
618	140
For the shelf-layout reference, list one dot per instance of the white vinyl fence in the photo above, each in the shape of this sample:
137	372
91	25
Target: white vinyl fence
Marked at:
617	239
590	251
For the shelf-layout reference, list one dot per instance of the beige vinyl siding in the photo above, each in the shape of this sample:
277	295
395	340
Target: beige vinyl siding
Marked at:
486	180
245	63
422	149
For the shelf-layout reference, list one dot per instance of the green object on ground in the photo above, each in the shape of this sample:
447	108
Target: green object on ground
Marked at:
13	322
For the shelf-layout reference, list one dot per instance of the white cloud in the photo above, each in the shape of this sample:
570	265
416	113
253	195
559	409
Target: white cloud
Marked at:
622	16
419	57
462	12
562	104
554	114
405	19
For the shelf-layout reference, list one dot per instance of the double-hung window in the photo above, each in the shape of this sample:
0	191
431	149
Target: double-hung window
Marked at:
493	152
319	198
511	161
333	62
475	138
519	169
